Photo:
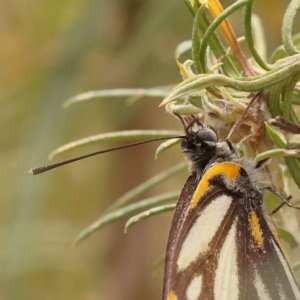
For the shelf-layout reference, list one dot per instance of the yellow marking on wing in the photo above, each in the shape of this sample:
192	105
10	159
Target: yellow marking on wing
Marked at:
255	228
172	295
228	169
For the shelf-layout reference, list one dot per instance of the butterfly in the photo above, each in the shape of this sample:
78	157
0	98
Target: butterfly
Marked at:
223	244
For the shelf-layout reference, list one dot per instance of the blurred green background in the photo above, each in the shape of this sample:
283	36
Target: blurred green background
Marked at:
51	51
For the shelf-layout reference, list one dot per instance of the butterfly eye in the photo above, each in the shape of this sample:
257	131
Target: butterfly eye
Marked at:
206	135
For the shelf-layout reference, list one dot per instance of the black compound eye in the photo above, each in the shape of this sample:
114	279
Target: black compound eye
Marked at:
206	135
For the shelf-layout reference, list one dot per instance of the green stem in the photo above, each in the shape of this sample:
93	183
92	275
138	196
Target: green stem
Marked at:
196	41
215	44
148	214
125	211
246	84
249	38
138	190
288	97
275	97
287	27
213	26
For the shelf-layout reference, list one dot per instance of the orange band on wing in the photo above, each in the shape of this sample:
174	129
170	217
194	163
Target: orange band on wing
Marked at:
172	295
255	228
230	170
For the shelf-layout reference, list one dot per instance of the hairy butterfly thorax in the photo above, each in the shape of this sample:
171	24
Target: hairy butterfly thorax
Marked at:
202	149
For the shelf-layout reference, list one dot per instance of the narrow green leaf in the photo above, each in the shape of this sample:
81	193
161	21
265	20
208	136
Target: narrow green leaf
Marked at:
277	153
287	236
294	117
296	266
291	163
130	195
260	40
166	145
124	211
115	136
280	52
196	99
183	48
287	27
294	168
192	6
182	109
196	41
276	137
164	90
281	71
274	101
272	201
240	40
288	97
296	98
249	37
116	93
214	42
213	26
147	214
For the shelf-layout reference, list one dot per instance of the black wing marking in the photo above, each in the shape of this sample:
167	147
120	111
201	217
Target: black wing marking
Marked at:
264	265
180	228
180	210
262	269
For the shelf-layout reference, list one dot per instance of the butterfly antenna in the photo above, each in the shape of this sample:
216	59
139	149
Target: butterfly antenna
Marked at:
181	120
39	170
237	123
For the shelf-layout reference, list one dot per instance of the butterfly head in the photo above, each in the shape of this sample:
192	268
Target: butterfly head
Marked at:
198	133
201	146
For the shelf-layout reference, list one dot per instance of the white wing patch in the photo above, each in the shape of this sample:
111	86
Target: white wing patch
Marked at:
261	288
203	231
287	271
226	281
194	289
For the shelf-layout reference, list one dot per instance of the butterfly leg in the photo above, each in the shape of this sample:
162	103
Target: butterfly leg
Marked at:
283	199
